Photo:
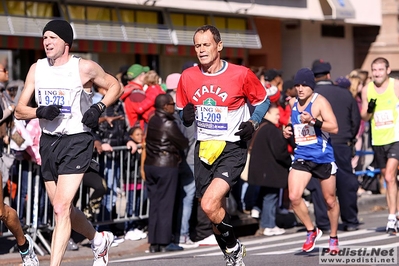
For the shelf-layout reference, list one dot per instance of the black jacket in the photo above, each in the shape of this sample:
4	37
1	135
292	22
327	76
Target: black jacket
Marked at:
164	141
345	109
270	159
115	135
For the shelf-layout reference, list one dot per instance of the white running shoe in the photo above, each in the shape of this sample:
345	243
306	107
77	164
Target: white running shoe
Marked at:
186	242
391	227
101	252
135	235
29	257
235	258
208	241
255	213
273	231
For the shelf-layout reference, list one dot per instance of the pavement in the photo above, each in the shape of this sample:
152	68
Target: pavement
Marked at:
244	226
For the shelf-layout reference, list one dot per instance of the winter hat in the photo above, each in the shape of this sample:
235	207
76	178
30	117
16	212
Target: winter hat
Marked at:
343	82
305	77
62	28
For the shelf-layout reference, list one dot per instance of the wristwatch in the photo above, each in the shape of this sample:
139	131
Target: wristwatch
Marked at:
254	124
312	122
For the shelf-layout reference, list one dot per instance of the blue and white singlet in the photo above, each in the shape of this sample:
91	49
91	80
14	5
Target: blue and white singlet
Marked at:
313	144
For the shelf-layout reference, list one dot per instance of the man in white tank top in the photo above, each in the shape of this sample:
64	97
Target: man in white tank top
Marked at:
62	86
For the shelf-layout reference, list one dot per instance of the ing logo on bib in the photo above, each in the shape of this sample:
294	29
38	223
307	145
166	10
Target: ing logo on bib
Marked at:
210	102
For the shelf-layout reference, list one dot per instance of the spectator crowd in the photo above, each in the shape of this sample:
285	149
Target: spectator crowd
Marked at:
144	152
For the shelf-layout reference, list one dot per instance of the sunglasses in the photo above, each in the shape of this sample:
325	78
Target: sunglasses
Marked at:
171	103
4	70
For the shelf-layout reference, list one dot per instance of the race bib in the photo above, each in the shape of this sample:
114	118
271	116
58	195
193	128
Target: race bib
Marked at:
56	97
304	134
383	119
212	119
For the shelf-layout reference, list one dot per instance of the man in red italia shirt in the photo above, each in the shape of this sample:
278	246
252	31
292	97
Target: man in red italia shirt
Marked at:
214	95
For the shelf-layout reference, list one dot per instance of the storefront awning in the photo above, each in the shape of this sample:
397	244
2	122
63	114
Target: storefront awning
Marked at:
35	43
151	34
280	9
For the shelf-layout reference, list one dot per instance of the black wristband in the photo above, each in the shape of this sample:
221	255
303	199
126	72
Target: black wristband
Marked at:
101	106
316	123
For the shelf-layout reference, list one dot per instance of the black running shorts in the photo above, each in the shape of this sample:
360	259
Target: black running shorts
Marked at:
228	166
65	154
318	170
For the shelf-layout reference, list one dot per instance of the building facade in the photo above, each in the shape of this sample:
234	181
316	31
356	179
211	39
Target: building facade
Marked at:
282	34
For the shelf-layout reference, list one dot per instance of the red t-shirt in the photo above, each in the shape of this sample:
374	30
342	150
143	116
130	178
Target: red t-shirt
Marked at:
226	91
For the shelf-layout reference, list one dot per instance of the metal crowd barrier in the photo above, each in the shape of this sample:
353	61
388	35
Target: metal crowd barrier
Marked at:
35	210
368	174
369	171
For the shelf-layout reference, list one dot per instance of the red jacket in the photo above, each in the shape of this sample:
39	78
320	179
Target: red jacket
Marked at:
139	105
285	114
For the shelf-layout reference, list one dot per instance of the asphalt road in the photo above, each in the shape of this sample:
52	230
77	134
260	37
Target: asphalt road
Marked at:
277	250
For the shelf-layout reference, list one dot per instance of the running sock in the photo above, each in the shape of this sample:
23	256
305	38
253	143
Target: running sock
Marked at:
313	230
221	242
24	247
392	217
98	239
229	250
334	237
227	232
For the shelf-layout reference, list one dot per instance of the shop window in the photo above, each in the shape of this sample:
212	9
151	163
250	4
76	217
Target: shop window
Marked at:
76	12
230	23
138	16
236	24
127	15
91	13
30	8
34	9
194	20
16	8
98	13
220	22
177	19
147	17
114	15
336	31
189	20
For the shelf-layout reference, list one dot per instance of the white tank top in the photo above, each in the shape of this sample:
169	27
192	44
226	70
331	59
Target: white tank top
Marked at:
61	85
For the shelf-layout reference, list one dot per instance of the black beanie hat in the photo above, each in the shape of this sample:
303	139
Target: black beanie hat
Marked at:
62	28
305	77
